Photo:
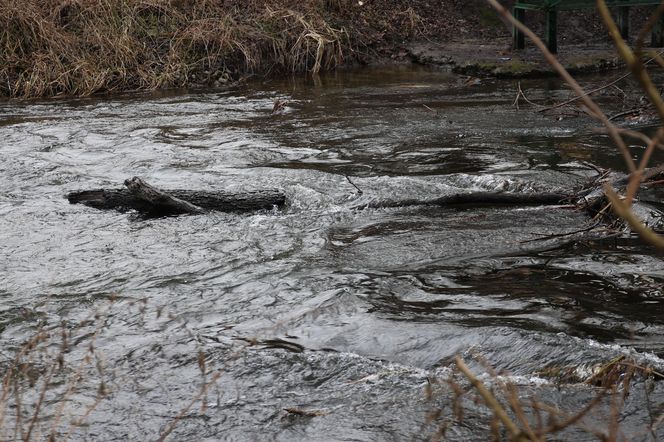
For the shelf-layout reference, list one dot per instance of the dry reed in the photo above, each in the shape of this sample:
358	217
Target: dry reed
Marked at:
83	47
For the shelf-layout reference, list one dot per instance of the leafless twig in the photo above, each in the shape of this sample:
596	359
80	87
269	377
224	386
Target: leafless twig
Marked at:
184	410
359	191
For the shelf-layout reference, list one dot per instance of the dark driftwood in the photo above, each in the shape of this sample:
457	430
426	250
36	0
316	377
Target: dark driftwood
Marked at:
160	200
503	198
148	200
484	198
591	198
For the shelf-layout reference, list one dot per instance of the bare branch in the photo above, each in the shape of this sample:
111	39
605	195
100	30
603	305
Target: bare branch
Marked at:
492	402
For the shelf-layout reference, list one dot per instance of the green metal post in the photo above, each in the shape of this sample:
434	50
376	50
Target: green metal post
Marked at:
518	37
551	8
623	21
658	33
552	29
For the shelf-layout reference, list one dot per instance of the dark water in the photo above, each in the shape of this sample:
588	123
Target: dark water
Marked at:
374	303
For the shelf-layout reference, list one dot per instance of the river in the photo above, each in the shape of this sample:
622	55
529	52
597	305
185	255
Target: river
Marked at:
342	313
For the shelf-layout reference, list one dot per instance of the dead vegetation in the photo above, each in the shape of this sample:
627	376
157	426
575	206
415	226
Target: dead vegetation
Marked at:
55	381
82	47
519	415
42	378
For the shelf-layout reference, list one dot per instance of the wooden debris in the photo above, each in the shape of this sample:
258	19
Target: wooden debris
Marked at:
150	201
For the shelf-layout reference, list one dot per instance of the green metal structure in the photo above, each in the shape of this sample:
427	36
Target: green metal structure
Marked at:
551	8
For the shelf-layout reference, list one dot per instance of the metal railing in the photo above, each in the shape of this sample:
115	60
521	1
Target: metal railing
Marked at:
551	8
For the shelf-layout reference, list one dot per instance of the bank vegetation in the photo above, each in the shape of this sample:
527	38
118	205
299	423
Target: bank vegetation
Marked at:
82	47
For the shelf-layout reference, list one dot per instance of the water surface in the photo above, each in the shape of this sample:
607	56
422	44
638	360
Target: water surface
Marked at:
375	302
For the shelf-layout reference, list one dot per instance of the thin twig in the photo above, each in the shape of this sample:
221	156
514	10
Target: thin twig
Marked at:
431	109
101	394
77	375
180	415
653	183
651	430
560	235
637	176
492	402
521	94
627	112
515	405
638	136
598	89
590	92
359	191
658	421
559	426
40	401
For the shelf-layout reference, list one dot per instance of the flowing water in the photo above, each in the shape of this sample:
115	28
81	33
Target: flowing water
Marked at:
328	305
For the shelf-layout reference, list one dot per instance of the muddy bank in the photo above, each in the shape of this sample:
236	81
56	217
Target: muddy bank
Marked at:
497	59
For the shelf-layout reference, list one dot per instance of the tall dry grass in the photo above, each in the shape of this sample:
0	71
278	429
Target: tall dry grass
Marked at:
82	47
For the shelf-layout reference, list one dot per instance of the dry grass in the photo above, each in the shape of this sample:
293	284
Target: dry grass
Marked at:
43	377
58	377
83	47
517	414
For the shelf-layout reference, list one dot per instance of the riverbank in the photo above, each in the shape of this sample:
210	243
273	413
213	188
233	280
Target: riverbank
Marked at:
82	47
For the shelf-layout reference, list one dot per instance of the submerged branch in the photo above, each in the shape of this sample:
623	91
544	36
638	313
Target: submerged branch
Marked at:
482	198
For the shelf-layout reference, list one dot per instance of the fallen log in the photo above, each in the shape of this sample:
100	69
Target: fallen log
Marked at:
149	201
591	198
482	199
